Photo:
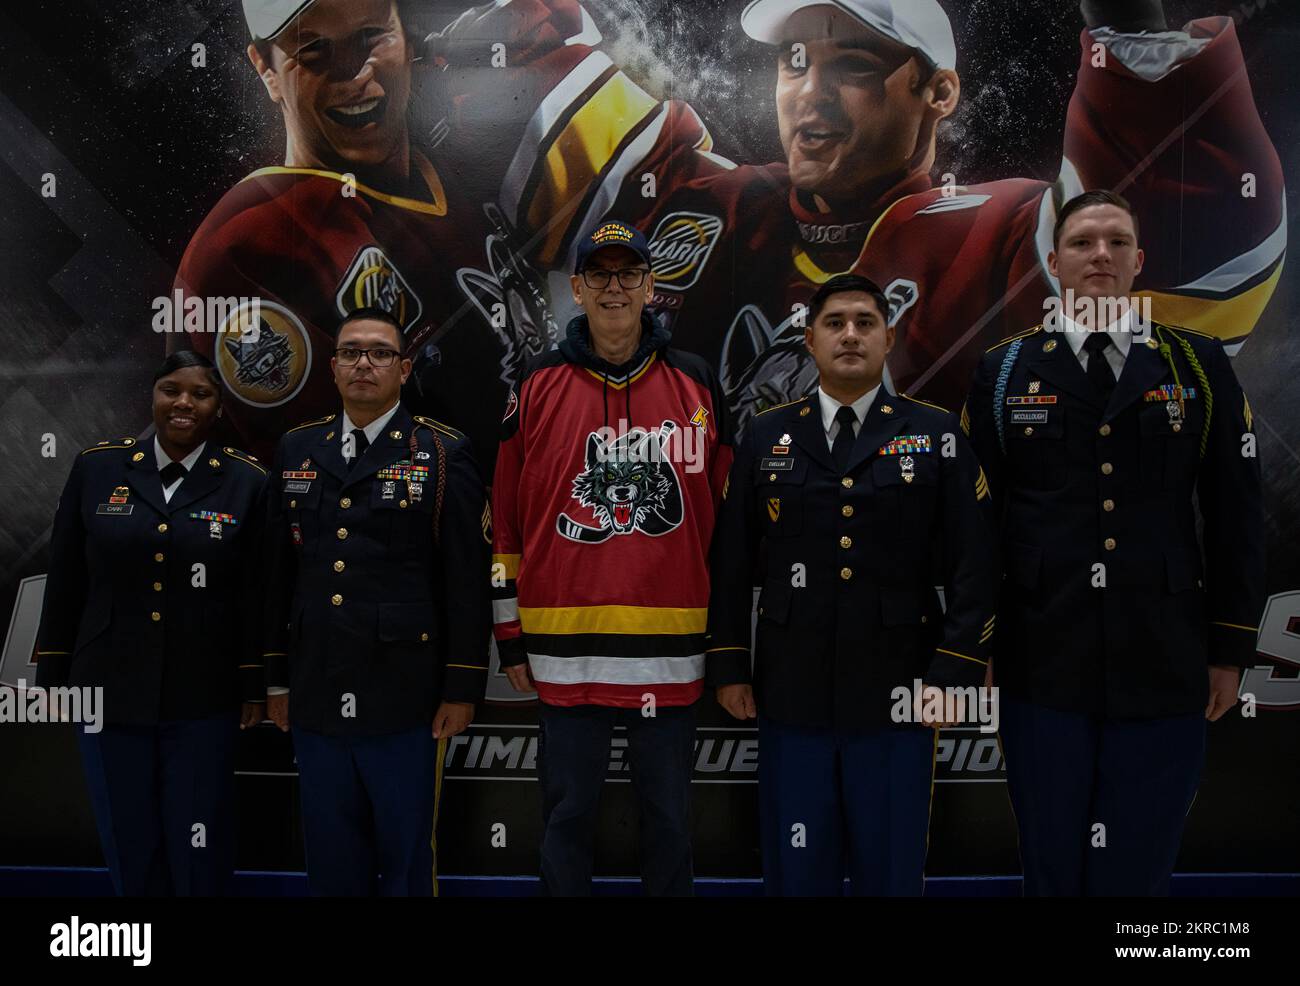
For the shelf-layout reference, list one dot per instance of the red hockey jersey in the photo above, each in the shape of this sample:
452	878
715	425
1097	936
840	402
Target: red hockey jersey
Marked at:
608	482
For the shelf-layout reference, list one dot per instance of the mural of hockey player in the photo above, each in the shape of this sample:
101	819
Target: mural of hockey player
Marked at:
1166	117
359	214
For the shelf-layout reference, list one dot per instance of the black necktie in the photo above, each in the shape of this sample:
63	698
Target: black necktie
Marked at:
1099	371
843	443
170	473
359	444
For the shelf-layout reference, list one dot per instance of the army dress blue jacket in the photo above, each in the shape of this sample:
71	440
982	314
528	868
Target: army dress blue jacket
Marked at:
158	602
1110	604
848	563
374	620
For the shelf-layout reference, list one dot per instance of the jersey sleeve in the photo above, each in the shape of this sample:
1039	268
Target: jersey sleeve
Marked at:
507	536
1169	121
571	133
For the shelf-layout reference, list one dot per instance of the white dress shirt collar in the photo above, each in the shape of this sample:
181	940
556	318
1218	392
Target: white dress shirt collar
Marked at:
372	430
163	459
1121	332
830	406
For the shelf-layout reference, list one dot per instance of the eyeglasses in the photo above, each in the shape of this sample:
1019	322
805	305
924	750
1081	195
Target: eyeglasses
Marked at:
379	358
599	277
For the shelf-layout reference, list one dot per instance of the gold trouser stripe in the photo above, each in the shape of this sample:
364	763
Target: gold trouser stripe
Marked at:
613	619
437	800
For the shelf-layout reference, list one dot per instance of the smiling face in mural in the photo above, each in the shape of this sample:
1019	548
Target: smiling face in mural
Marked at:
341	74
854	106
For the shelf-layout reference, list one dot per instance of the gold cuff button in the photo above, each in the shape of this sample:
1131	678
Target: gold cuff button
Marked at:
158	557
424	636
1029	429
157	587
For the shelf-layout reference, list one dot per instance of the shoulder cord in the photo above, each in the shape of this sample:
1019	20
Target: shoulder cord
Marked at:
1199	372
1000	392
441	488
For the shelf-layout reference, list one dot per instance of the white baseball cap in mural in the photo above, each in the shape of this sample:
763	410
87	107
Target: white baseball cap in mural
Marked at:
919	24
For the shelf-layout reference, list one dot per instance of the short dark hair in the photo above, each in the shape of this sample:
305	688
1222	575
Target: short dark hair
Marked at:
841	283
373	313
184	358
1098	196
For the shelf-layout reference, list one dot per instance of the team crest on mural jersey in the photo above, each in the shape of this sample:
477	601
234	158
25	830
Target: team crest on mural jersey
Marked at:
629	485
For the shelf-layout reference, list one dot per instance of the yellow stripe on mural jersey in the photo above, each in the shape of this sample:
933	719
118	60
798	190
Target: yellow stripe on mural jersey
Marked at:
582	150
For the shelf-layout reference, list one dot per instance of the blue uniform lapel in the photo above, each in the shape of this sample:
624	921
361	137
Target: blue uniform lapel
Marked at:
1144	369
142	476
884	420
201	481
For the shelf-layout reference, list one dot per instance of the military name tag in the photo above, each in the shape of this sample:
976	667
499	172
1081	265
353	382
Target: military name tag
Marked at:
780	465
1025	417
115	509
297	486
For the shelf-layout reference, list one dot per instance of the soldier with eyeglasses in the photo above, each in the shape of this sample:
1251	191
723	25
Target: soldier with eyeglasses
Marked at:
377	623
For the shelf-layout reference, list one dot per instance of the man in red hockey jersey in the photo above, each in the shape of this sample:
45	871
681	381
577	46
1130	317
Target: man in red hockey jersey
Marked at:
613	458
861	86
358	215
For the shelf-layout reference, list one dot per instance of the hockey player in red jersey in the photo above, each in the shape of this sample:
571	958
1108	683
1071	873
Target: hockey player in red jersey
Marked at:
358	215
861	86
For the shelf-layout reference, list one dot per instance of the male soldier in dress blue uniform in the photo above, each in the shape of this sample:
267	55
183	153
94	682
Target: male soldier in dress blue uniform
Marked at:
1116	642
380	540
848	507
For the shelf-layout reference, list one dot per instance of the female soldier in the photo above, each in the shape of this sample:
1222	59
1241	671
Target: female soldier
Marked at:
152	597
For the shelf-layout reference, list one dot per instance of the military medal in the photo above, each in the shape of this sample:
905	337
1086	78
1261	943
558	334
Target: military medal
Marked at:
120	493
785	440
414	491
1034	386
907	464
388	490
214	530
1175	410
296	531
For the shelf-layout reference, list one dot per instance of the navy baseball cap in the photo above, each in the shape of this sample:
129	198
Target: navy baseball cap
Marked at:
612	233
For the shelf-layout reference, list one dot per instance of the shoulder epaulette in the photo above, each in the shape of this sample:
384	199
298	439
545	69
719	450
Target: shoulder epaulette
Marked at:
439	426
1011	339
244	457
779	406
917	400
110	443
310	424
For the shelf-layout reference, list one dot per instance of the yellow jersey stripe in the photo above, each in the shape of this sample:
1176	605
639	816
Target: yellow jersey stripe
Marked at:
612	619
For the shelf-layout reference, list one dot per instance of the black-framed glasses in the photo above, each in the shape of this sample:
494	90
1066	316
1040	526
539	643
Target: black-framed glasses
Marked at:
629	277
379	358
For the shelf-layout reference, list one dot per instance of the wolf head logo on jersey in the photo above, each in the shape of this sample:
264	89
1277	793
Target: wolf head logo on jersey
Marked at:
629	485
